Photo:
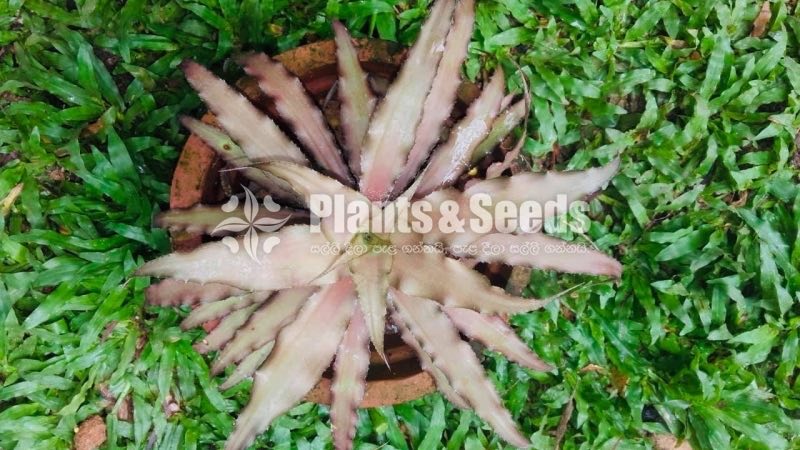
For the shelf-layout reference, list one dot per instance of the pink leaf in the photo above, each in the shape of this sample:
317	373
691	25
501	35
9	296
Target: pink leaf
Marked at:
288	374
442	96
221	308
257	134
371	275
263	325
458	362
349	378
464	215
214	220
225	330
426	363
447	281
247	366
503	124
496	335
540	251
543	188
235	157
357	102
296	107
199	219
171	292
307	182
392	129
294	261
453	157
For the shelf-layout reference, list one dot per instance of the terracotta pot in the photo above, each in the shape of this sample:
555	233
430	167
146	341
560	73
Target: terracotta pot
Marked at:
197	179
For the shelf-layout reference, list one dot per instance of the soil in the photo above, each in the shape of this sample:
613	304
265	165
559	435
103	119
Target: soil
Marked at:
91	434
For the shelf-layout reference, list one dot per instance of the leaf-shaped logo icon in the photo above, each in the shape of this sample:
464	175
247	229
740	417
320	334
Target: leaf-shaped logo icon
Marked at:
250	205
251	243
231	205
246	220
270	204
231	243
270	243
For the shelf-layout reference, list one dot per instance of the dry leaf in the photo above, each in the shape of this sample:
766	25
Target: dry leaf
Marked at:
592	368
619	381
562	424
125	412
518	281
762	20
9	199
93	128
170	406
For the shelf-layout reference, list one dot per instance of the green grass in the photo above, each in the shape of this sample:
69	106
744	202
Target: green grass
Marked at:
699	338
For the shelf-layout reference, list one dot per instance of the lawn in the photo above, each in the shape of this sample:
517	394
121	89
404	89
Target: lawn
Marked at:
699	338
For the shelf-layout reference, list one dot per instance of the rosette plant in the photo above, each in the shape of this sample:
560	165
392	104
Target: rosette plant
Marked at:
289	310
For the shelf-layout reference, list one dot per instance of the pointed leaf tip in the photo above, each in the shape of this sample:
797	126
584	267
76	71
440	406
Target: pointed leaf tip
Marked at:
391	131
371	276
496	335
539	251
357	101
172	292
296	107
287	375
453	157
263	325
259	137
439	338
546	187
277	265
349	381
188	65
443	94
421	276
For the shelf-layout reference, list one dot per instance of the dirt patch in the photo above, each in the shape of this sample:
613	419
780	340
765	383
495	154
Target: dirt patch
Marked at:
91	434
669	442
